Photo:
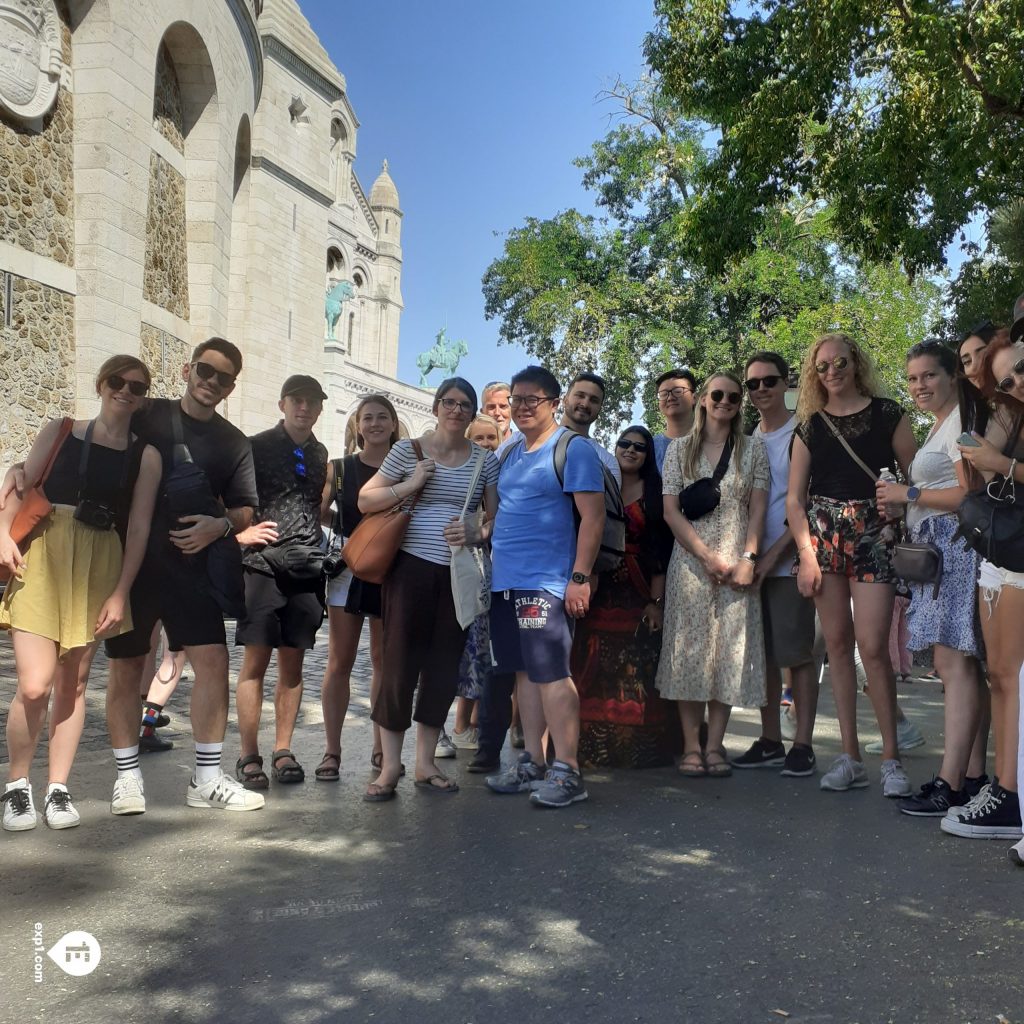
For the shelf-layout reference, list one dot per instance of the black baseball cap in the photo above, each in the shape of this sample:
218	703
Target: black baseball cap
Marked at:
303	384
1017	330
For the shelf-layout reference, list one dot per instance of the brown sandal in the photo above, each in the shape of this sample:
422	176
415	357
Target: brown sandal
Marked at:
326	771
693	771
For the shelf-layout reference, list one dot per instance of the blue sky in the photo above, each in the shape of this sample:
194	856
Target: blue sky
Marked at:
480	108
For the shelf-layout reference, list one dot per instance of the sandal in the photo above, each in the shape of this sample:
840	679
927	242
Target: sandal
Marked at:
438	783
289	774
693	770
377	761
718	769
379	792
327	772
251	780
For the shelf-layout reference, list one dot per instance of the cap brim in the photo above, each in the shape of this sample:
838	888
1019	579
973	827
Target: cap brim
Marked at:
319	395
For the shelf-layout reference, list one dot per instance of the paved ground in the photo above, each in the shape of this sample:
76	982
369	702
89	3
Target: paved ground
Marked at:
748	900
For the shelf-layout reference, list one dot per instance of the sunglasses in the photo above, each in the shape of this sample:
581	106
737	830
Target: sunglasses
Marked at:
639	446
207	372
116	383
839	363
1017	370
300	462
754	383
732	397
452	404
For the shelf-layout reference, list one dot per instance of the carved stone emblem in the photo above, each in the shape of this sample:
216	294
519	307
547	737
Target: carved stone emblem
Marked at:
30	57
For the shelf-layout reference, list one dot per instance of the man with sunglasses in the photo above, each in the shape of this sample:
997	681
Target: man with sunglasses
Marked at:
675	390
788	617
581	407
173	586
284	584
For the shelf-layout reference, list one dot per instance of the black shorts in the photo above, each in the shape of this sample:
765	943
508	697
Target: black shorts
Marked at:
191	617
531	633
275	619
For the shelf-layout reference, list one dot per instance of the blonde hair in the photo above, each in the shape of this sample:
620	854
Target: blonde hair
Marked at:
693	440
813	397
482	417
118	365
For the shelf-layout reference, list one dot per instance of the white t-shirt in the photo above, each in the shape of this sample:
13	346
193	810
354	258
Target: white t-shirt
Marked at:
777	442
934	465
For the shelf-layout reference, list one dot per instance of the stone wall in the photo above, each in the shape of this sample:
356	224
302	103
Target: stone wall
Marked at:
165	355
167	109
37	368
166	272
37	178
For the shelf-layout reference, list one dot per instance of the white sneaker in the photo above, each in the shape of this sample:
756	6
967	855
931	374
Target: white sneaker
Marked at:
1016	854
469	739
223	793
129	796
445	747
19	810
788	722
59	811
894	780
845	774
908	736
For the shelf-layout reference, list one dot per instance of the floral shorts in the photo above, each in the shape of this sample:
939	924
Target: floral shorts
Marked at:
851	539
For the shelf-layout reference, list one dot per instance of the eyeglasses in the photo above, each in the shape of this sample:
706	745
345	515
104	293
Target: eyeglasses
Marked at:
640	446
754	383
677	392
1007	382
732	397
300	462
530	401
207	372
116	383
839	363
451	404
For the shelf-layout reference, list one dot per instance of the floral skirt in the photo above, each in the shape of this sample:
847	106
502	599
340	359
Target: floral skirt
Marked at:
851	539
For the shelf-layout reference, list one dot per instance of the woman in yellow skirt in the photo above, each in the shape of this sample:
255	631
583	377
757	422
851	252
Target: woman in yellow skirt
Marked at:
70	579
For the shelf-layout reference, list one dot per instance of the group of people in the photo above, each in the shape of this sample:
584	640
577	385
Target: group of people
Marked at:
635	596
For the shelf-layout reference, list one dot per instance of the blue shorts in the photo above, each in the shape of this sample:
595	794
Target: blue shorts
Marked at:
531	633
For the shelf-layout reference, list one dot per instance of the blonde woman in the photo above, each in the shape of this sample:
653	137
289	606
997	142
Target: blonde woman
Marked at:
844	543
712	647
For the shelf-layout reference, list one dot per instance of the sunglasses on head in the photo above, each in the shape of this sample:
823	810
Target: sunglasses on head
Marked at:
1017	370
137	387
839	363
732	397
754	383
207	372
625	444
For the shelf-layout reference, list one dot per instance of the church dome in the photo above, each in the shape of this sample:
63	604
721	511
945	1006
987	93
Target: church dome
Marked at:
384	192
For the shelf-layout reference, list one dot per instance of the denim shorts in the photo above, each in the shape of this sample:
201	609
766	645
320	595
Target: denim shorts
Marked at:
531	633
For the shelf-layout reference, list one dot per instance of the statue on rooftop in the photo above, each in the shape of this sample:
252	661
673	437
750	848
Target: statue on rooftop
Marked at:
442	355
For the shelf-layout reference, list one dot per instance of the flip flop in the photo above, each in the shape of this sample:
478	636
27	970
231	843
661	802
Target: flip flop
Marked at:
326	771
693	771
449	785
378	793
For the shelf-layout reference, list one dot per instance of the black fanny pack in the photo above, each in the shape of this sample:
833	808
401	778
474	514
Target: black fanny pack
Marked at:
295	566
704	495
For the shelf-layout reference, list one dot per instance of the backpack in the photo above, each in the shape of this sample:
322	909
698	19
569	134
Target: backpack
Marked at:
613	539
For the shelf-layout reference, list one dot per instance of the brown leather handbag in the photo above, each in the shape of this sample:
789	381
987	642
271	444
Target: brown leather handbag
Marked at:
35	506
371	548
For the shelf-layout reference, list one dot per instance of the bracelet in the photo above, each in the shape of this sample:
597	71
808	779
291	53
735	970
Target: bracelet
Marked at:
1012	471
394	493
804	547
228	530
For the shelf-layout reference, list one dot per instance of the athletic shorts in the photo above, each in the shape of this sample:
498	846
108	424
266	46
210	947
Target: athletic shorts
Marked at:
275	619
531	633
788	623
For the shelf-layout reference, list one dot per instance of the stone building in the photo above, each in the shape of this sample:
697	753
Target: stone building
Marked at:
173	169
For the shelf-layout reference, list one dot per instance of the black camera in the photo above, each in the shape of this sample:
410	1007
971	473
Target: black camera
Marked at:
334	564
93	514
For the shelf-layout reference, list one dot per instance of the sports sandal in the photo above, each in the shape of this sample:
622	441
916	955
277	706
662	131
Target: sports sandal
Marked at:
720	769
289	774
329	768
692	770
251	780
438	783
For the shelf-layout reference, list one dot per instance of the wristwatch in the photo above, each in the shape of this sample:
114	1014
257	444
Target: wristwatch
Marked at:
913	493
579	577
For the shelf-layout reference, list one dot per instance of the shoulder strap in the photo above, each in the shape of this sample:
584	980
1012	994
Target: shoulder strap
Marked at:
181	450
560	454
477	470
419	458
723	461
508	451
849	451
66	425
339	476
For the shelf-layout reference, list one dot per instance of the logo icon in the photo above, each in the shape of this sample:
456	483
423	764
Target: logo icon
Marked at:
76	953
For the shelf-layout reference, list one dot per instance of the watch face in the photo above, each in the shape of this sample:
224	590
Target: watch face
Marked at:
578	577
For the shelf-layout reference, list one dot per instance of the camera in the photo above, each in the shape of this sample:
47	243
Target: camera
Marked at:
333	565
93	514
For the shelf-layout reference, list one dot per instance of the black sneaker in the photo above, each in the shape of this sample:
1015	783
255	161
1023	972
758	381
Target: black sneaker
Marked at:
934	800
997	816
972	787
154	744
800	761
762	754
162	721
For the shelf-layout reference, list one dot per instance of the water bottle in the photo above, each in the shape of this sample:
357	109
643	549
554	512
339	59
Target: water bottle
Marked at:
892	511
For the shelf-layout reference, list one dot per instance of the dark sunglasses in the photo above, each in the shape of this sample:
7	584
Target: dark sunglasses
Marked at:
1007	382
732	397
640	446
839	363
754	383
207	372
300	462
137	387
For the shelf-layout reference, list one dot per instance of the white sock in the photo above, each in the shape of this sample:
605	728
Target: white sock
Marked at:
127	759
208	761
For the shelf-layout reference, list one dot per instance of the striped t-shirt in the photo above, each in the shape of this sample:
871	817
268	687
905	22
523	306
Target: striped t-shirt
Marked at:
440	501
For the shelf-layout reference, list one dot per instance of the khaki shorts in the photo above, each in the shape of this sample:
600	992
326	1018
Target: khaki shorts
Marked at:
788	623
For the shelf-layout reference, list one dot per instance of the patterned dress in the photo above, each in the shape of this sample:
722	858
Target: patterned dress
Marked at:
713	643
623	722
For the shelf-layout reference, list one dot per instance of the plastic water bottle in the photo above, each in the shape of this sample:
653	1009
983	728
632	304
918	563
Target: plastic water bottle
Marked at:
892	511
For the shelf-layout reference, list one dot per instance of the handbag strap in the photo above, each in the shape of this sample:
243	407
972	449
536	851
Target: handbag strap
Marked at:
477	470
66	425
723	462
416	447
849	451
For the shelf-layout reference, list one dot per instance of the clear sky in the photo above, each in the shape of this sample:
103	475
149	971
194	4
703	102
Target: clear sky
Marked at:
480	108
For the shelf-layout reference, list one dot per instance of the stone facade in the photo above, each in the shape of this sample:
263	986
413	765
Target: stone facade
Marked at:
36	371
168	118
165	356
166	276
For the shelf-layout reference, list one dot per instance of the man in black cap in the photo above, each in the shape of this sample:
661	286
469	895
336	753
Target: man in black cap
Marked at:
284	589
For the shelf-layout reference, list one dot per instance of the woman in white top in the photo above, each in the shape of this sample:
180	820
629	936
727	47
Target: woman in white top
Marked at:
946	620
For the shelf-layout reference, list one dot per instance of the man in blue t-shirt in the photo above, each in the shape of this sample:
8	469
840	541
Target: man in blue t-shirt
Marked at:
541	581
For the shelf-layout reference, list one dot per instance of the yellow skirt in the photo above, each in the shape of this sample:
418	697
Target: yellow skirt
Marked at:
70	570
